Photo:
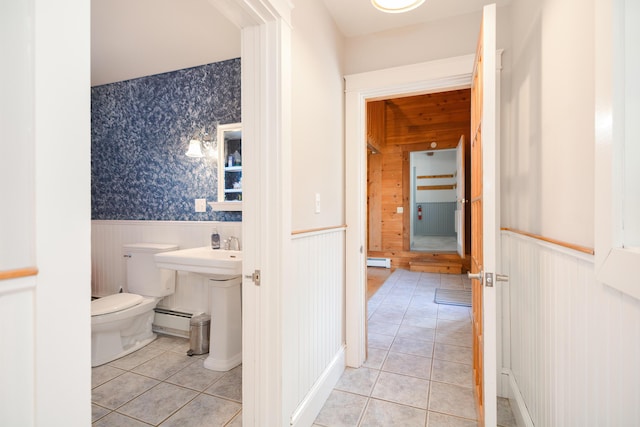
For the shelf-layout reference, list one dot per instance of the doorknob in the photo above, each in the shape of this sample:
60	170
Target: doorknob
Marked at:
477	276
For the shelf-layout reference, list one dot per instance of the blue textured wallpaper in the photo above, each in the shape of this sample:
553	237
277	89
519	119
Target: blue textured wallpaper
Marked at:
140	130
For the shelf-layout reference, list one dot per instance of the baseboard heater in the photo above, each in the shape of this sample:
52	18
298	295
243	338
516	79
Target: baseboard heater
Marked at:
379	262
171	322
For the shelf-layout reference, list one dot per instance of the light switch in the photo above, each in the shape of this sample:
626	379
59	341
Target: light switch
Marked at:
317	203
201	205
399	209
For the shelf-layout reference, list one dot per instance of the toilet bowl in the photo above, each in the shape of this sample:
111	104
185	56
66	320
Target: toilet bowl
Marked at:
122	323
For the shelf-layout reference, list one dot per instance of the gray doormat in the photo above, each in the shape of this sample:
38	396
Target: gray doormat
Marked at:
459	297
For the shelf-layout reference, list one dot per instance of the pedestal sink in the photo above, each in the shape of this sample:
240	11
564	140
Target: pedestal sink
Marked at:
223	269
216	264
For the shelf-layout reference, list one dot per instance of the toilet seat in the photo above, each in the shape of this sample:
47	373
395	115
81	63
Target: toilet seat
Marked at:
114	303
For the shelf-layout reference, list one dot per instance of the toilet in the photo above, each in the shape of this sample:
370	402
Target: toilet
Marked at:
121	323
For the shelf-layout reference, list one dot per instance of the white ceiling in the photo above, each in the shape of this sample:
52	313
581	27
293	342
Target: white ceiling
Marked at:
359	17
135	38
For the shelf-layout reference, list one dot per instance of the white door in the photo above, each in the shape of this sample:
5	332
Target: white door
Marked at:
460	201
484	218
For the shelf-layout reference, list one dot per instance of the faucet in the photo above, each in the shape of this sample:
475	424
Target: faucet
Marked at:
233	243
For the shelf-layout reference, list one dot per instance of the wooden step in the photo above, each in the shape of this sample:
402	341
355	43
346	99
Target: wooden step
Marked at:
439	266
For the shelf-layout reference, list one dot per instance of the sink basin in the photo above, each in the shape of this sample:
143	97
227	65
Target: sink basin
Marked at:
217	264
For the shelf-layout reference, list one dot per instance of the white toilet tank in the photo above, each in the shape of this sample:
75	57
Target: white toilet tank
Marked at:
143	276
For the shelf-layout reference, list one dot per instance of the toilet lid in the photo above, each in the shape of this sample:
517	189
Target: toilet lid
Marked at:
113	303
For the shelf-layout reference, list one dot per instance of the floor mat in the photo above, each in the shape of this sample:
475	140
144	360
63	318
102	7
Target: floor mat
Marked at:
459	297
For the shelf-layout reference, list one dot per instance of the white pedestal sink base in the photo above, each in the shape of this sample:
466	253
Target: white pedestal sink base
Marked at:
225	342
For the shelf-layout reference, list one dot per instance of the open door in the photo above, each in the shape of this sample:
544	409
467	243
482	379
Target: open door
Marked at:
460	201
484	218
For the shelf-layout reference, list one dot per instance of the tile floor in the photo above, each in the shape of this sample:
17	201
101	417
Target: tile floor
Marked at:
160	385
418	371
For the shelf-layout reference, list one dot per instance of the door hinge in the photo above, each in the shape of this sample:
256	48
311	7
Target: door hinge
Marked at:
255	277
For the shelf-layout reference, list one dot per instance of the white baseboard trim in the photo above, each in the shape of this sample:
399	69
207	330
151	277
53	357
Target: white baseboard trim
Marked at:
518	406
308	410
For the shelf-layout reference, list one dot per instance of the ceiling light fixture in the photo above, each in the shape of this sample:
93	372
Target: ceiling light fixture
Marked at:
396	6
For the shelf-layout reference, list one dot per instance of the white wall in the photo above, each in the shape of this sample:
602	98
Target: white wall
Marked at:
62	196
574	341
44	168
444	38
443	162
313	345
317	118
547	151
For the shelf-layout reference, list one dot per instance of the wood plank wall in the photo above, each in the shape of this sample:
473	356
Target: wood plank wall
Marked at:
410	124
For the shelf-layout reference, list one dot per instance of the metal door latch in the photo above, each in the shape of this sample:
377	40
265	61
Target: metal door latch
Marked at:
488	278
255	277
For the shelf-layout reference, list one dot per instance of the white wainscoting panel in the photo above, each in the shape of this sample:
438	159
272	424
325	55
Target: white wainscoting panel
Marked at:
313	323
108	266
574	343
17	361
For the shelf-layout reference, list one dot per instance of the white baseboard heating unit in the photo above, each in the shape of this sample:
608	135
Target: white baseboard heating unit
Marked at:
171	322
379	262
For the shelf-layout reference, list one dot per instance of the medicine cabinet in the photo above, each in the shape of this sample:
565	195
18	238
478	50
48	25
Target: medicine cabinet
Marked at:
229	138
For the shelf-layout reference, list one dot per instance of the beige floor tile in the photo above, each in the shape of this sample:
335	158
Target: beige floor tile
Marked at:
168	342
435	419
452	373
454	312
380	413
164	365
408	364
358	381
452	400
402	389
383	328
430	310
115	419
375	358
137	358
379	341
120	390
411	346
204	411
195	376
341	410
98	412
420	321
416	332
453	353
229	386
505	414
452	338
455	326
104	373
236	422
158	403
387	316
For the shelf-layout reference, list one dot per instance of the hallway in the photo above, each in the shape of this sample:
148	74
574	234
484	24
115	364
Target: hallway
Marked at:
418	371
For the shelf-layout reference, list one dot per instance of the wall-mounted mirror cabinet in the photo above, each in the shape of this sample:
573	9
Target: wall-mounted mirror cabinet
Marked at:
229	168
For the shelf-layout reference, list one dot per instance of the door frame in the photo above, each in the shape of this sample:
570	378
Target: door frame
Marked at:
266	225
427	77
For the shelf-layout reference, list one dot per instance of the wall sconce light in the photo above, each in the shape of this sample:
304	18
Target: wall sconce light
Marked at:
396	6
202	144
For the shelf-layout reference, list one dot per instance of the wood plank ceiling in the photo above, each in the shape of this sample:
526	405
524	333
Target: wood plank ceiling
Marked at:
440	117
